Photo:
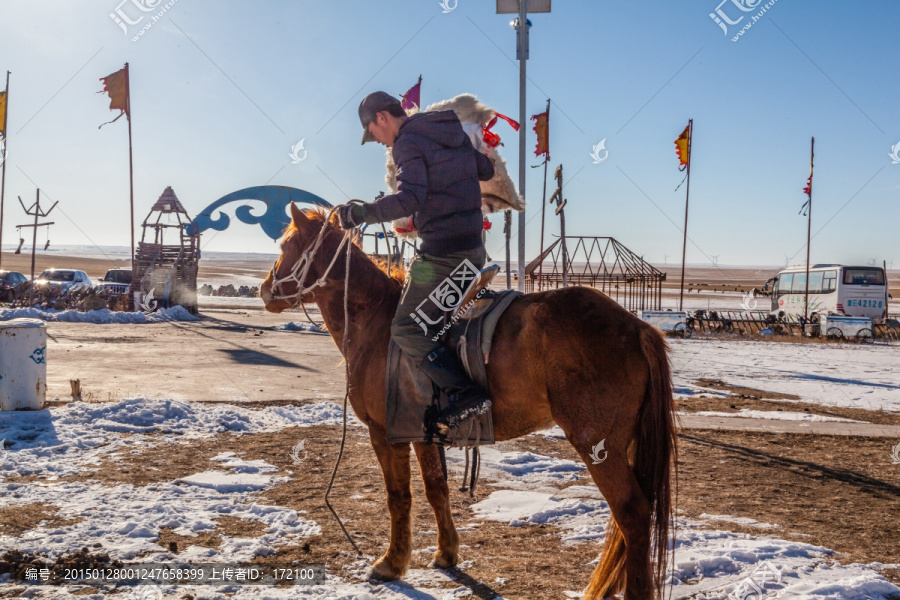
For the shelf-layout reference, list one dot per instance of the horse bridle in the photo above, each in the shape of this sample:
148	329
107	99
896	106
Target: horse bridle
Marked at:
301	268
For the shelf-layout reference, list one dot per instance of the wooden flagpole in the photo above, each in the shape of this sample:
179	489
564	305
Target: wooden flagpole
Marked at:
812	149
687	198
544	204
3	159
130	160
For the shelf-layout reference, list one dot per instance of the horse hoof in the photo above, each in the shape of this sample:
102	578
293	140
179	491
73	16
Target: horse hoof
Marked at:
383	572
442	562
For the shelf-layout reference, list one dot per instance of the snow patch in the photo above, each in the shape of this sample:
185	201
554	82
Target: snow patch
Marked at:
102	316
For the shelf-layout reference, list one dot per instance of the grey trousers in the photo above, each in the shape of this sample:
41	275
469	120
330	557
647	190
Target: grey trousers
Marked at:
434	285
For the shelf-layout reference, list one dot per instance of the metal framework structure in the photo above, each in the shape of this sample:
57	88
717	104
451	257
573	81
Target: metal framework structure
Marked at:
166	274
401	250
598	262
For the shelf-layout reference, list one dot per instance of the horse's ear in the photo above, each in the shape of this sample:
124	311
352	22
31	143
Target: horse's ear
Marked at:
298	216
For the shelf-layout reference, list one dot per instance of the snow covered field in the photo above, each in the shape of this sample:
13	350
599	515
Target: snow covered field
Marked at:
852	375
526	488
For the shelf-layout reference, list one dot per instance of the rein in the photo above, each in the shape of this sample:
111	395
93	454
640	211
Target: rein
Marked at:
298	275
301	268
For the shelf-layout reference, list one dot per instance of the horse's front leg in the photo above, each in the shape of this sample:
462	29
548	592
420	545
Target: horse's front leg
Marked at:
394	460
438	493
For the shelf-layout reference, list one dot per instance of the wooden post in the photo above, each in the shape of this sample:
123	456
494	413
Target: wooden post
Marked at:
560	210
37	212
507	228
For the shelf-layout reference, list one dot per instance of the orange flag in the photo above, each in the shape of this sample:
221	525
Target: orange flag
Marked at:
116	85
681	146
542	129
2	113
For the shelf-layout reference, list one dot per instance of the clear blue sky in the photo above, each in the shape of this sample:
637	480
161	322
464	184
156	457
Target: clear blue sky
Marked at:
222	90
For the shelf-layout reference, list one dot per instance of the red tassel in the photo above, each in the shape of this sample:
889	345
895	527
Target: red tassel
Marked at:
492	139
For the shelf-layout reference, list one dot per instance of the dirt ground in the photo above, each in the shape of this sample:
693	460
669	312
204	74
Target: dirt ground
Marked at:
842	494
838	492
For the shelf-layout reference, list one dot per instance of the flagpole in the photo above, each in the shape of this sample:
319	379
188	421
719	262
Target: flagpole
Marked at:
3	182
812	149
544	204
687	198
130	161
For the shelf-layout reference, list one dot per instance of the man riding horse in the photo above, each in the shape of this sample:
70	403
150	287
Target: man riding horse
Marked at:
438	171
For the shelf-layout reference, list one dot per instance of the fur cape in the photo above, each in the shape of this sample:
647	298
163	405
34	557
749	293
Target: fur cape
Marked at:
499	193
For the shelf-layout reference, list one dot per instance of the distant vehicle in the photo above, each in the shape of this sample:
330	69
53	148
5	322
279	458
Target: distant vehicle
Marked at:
833	290
66	280
116	281
12	284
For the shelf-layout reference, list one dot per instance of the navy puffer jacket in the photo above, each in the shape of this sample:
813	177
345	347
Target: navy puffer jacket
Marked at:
438	171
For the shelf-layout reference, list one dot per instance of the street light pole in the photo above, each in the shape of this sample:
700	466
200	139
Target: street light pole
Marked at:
522	55
521	7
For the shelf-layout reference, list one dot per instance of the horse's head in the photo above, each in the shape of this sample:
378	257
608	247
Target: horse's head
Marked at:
304	258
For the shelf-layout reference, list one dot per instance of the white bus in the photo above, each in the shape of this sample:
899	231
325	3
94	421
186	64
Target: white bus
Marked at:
833	290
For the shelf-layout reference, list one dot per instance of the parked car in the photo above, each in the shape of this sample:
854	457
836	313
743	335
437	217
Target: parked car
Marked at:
12	285
116	281
64	280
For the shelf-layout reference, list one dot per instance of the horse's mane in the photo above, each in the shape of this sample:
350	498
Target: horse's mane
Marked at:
319	215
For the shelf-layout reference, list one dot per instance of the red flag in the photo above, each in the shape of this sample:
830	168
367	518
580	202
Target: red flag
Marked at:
492	139
808	191
412	96
116	85
542	129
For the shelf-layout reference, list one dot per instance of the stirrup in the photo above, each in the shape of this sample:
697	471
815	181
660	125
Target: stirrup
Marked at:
452	416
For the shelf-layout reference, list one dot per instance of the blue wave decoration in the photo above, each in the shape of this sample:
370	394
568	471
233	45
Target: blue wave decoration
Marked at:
273	220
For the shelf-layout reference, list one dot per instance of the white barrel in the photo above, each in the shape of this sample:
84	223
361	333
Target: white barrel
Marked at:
23	364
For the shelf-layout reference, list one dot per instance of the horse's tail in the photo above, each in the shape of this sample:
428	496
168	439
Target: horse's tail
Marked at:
654	450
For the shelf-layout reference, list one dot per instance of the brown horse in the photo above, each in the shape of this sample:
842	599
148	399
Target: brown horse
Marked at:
572	357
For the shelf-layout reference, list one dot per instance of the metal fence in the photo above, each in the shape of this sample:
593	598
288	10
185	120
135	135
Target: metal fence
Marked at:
600	262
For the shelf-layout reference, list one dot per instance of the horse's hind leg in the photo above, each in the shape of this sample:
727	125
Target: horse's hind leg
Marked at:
394	460
438	494
631	513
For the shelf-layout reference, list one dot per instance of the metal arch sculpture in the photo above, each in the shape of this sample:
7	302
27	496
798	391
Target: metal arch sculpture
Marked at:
273	221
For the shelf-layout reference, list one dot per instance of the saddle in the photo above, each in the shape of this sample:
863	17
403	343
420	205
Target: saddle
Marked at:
411	394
